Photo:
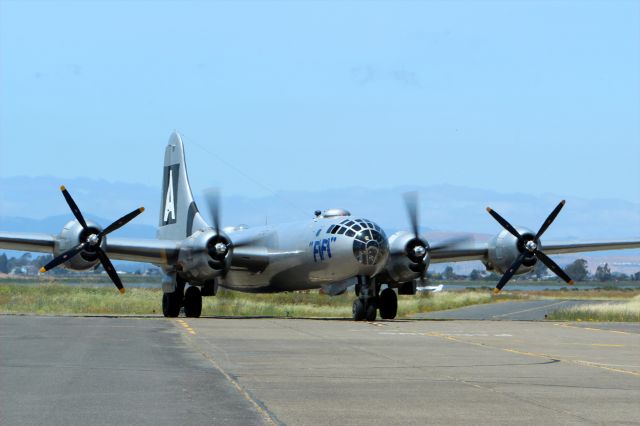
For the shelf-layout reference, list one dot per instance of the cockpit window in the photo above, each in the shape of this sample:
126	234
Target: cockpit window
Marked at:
330	229
370	246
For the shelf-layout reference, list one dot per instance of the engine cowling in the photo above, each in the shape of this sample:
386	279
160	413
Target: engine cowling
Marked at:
503	251
73	234
402	265
204	255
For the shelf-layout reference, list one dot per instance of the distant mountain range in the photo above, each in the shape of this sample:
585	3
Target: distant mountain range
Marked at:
35	204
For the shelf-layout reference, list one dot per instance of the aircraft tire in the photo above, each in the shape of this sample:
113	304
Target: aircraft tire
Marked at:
388	304
372	310
358	310
192	302
171	304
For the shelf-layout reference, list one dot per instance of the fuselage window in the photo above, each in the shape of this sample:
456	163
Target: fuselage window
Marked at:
341	230
350	233
349	223
331	228
356	227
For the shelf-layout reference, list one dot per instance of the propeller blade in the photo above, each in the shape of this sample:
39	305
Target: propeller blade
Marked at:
62	258
73	206
411	203
120	222
108	266
550	219
212	197
554	267
502	221
507	275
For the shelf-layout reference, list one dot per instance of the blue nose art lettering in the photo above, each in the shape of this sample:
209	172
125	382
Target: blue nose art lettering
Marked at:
326	246
320	247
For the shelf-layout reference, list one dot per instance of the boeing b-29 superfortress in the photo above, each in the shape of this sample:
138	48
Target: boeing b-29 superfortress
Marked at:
332	251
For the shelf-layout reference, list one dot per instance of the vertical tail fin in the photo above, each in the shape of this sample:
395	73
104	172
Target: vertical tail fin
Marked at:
179	215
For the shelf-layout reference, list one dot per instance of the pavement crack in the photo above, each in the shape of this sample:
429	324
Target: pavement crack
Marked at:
259	406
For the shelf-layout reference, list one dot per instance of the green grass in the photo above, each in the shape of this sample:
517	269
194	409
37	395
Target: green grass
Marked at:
54	298
617	312
68	299
89	295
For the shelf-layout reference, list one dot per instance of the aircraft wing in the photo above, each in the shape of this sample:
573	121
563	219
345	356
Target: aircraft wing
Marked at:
460	252
255	259
479	251
136	250
557	248
27	242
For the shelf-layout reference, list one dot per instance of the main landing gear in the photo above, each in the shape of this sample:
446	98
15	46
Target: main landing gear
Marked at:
366	306
191	300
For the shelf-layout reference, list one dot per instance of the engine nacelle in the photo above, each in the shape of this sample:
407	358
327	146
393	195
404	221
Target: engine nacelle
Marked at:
400	266
503	251
73	234
202	257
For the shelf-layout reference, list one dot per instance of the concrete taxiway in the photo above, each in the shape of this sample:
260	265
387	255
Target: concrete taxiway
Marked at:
61	370
528	310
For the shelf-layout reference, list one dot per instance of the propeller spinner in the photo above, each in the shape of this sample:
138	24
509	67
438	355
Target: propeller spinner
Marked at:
528	248
93	241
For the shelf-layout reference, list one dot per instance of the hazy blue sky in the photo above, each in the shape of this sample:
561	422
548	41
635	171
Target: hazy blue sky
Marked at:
534	97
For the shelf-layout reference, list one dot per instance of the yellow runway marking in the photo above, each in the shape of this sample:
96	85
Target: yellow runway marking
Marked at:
537	355
593	329
187	326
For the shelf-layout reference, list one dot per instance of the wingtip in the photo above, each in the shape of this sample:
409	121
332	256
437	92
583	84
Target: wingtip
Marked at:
122	290
42	270
62	188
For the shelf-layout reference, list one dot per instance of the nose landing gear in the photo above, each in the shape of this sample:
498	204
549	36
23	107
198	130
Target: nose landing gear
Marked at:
366	306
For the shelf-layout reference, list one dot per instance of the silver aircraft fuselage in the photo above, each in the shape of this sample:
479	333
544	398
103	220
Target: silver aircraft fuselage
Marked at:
315	256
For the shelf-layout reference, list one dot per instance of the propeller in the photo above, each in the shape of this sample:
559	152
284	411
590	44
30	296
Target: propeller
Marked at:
93	241
417	248
218	247
528	248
